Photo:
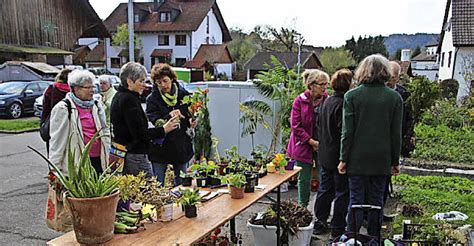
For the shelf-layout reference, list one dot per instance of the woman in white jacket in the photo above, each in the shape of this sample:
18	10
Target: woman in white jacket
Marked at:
79	119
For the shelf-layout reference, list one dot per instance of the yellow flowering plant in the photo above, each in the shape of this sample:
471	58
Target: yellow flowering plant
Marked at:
280	161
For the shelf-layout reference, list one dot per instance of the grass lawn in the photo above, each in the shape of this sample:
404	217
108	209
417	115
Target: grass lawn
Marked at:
19	125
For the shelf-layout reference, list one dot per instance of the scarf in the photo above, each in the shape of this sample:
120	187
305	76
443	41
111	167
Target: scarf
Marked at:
62	86
170	99
83	104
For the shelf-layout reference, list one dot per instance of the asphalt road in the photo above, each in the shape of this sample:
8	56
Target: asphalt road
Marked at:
23	191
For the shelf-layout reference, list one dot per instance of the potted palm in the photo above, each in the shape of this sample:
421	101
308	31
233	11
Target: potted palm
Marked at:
92	198
189	199
236	182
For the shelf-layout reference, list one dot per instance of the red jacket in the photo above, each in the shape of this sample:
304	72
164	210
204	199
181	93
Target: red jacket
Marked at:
53	94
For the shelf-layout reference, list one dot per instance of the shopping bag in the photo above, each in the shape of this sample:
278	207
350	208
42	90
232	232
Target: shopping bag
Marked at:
57	215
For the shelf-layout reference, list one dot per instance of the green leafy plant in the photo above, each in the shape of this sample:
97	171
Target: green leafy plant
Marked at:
424	94
82	181
442	143
130	185
204	168
292	217
282	85
434	194
189	197
446	112
234	179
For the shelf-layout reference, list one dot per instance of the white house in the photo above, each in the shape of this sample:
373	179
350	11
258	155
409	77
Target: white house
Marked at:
426	63
170	31
456	46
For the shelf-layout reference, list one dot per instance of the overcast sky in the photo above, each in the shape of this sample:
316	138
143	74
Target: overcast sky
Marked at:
325	22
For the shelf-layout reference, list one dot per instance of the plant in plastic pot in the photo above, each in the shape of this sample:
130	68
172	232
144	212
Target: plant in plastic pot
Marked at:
295	220
92	197
187	178
236	182
189	198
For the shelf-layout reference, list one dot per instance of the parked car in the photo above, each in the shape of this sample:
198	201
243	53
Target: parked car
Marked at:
38	105
17	97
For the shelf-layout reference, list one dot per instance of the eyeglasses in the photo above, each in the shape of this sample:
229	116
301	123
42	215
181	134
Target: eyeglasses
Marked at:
320	84
87	87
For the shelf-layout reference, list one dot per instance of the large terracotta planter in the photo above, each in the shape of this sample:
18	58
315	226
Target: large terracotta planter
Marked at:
93	218
236	193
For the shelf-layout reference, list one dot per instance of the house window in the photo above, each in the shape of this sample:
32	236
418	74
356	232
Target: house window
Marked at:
442	59
136	18
163	40
115	62
180	40
449	58
207	24
165	16
179	62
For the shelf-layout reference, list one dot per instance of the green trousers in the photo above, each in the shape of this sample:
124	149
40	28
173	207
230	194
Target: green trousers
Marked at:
304	182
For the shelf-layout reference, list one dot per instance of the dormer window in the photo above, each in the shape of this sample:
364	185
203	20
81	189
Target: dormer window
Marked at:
165	16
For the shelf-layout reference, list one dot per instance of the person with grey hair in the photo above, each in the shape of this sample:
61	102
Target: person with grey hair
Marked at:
129	122
370	141
107	91
78	117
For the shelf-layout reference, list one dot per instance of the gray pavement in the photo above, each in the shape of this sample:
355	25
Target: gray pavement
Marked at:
23	193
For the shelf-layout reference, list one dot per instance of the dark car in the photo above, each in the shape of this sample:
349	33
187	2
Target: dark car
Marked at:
17	97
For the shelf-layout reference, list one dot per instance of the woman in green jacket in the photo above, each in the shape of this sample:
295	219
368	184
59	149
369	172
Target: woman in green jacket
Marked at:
370	141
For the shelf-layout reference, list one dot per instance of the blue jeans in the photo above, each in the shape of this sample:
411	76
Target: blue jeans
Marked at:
366	190
333	186
159	169
136	163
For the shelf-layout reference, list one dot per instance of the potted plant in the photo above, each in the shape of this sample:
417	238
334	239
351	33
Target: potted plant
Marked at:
130	187
296	223
236	182
187	178
189	198
280	162
92	198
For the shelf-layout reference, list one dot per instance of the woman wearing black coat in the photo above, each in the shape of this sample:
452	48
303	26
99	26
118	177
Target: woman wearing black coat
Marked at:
333	185
163	103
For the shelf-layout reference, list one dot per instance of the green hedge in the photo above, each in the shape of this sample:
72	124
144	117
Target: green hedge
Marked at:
442	143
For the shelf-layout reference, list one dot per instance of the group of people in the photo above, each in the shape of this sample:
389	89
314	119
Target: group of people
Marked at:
74	115
355	139
355	135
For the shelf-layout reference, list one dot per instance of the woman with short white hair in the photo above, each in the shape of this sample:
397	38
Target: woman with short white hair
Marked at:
78	117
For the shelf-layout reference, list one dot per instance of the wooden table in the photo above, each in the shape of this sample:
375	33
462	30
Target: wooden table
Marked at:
185	231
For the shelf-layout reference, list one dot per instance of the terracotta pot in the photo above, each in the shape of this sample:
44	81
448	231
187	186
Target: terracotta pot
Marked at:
93	218
236	193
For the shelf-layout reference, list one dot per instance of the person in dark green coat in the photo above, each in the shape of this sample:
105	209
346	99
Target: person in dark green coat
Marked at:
370	141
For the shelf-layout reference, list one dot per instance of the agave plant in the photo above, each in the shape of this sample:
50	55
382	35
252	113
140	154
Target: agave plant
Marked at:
82	181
